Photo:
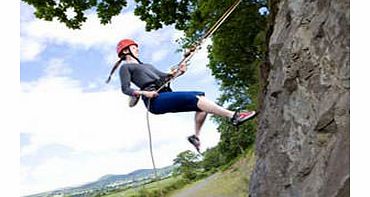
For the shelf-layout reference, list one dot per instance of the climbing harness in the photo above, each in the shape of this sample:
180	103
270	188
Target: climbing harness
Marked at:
133	100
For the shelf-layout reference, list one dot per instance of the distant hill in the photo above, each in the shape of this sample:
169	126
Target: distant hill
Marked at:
110	183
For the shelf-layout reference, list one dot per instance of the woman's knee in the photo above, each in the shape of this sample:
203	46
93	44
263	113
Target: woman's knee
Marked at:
201	99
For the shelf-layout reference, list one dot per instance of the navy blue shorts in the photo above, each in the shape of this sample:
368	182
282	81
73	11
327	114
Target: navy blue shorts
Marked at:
174	102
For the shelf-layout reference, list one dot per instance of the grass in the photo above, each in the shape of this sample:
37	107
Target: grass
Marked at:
233	181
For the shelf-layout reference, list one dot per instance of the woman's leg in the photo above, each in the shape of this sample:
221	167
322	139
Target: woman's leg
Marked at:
209	106
200	117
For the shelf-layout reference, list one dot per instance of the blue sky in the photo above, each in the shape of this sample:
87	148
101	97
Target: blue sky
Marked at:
74	127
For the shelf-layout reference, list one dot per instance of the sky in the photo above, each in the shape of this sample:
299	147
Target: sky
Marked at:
73	127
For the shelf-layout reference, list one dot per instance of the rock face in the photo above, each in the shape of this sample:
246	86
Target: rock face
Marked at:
302	143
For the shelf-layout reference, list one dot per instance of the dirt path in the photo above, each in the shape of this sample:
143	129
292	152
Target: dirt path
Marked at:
194	189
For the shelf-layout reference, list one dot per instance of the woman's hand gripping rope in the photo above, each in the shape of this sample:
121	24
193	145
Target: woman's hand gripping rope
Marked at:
178	71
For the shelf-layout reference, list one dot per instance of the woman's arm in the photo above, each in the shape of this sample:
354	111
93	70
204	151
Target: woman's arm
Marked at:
148	94
125	78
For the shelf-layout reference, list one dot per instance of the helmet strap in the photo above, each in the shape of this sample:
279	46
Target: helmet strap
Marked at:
132	55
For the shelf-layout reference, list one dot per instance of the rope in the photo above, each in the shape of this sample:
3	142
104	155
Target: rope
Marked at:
205	36
221	19
151	146
150	139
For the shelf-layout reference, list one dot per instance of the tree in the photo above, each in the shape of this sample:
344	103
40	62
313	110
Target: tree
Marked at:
237	50
188	164
154	13
211	159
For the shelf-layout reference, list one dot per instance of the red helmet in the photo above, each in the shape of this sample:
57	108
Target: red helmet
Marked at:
123	44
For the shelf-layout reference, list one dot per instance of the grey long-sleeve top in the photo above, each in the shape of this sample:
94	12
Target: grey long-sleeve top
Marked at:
139	74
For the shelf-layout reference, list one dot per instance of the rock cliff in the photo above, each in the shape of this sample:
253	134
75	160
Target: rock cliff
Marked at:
302	144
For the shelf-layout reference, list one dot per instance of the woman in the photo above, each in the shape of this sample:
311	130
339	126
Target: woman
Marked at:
149	79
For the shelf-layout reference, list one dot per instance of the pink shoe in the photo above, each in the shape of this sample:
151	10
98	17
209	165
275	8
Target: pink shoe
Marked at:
241	117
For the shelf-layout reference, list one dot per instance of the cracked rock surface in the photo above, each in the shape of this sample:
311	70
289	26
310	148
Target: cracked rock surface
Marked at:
302	144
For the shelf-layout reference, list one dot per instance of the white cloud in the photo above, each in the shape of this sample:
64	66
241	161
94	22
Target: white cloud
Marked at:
92	33
62	172
30	49
98	125
57	67
159	55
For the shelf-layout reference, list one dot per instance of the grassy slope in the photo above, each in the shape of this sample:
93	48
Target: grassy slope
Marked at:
232	182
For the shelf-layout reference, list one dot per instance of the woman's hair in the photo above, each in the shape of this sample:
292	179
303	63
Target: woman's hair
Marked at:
122	57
